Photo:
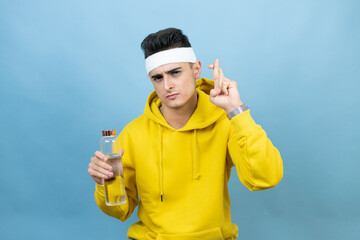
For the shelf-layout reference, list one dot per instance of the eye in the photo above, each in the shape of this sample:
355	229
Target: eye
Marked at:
156	79
176	73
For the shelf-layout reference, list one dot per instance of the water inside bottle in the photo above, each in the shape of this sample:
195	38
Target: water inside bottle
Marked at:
115	186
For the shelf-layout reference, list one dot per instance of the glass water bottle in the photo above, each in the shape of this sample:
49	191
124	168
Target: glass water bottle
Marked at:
114	186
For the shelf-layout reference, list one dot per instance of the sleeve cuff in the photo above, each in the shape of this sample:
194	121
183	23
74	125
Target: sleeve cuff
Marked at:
100	189
243	121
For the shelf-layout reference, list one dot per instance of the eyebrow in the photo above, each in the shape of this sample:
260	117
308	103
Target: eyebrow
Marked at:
167	72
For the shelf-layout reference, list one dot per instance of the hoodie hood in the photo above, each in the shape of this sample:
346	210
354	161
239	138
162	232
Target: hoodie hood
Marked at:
204	115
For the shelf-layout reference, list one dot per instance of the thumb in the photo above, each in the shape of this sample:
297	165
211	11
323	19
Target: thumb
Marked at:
214	93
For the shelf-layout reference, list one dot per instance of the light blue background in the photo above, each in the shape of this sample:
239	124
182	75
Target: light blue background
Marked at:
69	69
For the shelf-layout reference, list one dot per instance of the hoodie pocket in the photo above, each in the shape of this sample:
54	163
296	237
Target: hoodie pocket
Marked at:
210	234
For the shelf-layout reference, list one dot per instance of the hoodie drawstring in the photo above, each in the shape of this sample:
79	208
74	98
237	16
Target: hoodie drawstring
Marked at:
196	174
161	164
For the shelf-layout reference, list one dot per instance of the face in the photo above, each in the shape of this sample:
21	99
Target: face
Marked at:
174	83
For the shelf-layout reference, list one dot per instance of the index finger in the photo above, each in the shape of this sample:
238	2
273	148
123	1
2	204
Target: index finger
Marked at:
216	74
100	155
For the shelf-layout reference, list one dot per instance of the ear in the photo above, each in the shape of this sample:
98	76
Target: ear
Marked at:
197	69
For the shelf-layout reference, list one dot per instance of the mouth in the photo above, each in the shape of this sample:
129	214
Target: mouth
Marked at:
172	96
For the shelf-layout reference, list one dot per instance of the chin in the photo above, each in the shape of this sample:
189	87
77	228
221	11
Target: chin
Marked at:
174	104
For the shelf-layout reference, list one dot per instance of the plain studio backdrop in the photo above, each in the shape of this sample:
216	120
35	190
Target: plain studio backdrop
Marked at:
69	69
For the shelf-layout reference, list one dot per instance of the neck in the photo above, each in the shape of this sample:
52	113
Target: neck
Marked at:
178	117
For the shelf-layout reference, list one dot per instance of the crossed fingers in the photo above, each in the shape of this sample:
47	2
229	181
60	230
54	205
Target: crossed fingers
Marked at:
220	81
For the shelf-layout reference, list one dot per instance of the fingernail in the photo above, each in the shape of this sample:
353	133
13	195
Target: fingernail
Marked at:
110	174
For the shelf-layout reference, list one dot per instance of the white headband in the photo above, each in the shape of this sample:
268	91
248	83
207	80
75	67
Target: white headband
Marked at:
174	55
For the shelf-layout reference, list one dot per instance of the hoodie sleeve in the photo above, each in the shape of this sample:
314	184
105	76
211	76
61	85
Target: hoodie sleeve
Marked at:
258	163
124	211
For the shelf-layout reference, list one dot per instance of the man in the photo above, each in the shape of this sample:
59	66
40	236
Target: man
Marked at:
177	156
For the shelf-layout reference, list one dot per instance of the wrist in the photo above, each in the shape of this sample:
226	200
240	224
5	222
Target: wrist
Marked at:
237	111
233	107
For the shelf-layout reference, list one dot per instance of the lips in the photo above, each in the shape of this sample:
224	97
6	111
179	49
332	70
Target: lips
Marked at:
171	96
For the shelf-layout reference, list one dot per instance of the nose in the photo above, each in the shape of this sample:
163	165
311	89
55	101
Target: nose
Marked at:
168	83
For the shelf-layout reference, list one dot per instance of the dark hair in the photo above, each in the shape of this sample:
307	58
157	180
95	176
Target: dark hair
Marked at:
163	40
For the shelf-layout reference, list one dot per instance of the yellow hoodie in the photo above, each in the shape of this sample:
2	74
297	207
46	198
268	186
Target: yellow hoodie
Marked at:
181	175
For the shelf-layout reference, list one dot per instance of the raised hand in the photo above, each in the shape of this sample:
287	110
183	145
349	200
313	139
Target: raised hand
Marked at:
225	93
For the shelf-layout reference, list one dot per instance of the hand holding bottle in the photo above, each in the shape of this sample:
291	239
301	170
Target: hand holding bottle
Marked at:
99	169
106	168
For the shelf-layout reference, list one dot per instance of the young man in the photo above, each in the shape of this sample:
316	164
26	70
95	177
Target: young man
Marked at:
178	155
